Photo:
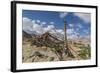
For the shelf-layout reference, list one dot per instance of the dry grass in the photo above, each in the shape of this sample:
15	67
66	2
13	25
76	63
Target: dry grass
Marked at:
32	53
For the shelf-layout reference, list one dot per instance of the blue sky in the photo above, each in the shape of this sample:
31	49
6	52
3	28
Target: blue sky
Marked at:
77	23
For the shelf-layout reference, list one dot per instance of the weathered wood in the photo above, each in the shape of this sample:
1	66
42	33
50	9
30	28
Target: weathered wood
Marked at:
49	40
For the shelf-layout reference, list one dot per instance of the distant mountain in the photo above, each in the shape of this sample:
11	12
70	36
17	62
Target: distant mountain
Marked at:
26	35
32	33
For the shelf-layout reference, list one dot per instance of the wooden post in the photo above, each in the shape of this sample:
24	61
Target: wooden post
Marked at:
65	33
66	51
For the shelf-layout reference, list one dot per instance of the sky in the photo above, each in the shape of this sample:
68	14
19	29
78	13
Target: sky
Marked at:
39	22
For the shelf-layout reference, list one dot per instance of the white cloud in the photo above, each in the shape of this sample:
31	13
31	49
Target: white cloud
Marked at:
70	31
38	28
79	26
86	31
63	14
43	23
77	29
33	21
51	22
71	25
31	25
27	23
72	36
48	28
26	19
60	31
38	21
84	16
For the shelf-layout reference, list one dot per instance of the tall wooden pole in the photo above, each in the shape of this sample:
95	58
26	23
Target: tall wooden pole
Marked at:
65	33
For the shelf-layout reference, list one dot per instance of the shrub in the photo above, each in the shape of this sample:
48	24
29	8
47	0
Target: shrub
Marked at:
85	52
